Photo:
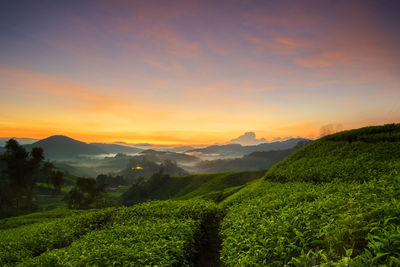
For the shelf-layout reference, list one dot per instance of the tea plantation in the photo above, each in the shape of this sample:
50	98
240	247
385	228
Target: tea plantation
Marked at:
153	233
335	202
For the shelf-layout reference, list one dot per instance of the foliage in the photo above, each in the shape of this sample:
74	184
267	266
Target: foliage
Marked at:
254	161
347	156
36	217
109	180
335	202
149	242
211	186
162	233
307	224
21	172
144	166
86	194
33	239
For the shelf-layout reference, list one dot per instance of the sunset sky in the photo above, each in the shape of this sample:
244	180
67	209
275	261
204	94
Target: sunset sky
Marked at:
196	72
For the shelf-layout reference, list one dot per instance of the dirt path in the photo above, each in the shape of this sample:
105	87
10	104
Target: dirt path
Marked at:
210	245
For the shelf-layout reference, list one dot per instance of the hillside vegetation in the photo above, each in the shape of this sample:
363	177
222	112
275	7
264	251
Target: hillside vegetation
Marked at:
355	155
214	186
157	233
334	202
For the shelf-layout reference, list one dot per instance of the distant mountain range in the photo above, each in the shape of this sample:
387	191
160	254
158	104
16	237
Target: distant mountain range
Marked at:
237	150
159	156
63	147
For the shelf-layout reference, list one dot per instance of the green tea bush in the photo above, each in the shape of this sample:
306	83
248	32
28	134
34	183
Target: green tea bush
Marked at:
162	233
335	157
304	224
36	217
34	239
194	209
138	242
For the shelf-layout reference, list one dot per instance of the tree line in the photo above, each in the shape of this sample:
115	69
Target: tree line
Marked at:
20	171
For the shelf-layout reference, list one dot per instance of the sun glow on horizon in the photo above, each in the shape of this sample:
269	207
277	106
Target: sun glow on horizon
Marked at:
188	73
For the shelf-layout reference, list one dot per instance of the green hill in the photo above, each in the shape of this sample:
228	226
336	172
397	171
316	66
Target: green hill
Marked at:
335	202
214	186
355	155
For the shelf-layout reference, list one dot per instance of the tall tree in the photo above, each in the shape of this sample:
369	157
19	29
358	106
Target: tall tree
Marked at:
21	171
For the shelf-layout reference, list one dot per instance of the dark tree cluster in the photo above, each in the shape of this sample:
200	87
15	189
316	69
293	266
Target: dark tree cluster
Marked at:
86	194
111	181
142	188
20	171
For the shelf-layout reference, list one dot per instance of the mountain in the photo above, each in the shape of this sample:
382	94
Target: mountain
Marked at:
254	161
63	147
237	150
115	149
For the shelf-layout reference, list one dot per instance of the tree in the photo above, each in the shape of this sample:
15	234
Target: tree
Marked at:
21	171
57	179
87	193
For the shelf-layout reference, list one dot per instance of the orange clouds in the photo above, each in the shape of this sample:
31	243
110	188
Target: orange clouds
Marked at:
325	59
175	71
55	86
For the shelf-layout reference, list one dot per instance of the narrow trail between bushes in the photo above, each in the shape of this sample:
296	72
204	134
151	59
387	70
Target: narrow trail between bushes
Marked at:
210	244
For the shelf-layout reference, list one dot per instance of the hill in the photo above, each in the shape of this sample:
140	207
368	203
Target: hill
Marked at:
355	155
237	150
159	156
61	147
253	161
64	147
115	149
334	202
214	186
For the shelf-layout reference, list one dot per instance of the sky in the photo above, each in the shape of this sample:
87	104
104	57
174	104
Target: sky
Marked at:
196	72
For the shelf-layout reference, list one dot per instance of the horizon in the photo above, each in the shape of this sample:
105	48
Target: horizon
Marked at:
191	73
255	141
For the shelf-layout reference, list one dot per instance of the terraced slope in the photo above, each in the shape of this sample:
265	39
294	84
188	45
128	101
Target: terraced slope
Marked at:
336	202
355	155
214	186
155	233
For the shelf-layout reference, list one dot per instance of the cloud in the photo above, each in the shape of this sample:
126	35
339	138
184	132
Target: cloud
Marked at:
247	139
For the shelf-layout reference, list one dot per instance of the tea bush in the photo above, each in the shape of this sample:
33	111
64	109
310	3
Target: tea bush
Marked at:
306	224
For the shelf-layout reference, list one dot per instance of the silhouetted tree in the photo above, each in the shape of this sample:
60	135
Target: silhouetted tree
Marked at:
110	180
57	179
87	193
21	171
53	176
